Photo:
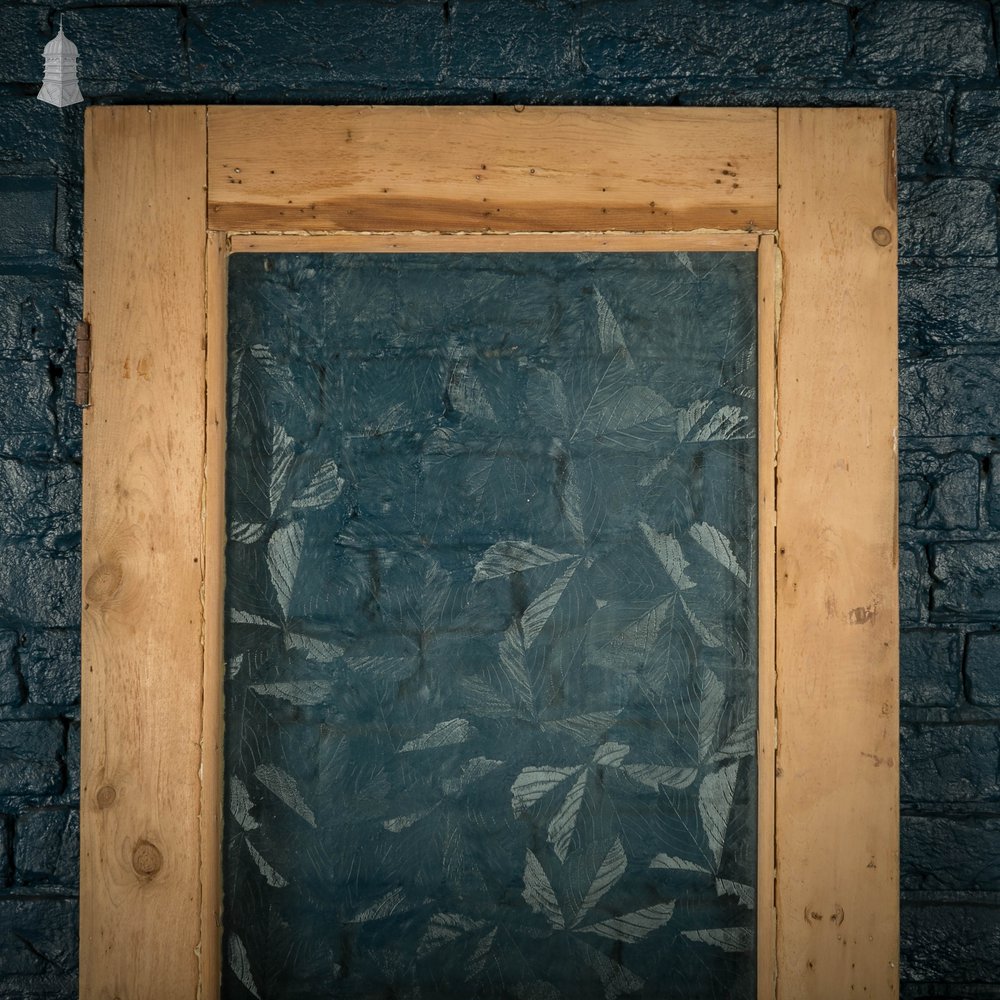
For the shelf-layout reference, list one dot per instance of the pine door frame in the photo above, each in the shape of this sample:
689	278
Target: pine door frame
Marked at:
171	191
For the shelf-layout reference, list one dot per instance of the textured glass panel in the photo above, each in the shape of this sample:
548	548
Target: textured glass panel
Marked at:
491	627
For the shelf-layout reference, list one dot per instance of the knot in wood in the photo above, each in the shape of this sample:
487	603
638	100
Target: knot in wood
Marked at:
146	859
104	582
106	796
881	236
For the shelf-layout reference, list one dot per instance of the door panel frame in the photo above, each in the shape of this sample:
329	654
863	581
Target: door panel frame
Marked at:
171	191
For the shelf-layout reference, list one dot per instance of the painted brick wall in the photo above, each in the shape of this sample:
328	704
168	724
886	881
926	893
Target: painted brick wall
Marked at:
933	60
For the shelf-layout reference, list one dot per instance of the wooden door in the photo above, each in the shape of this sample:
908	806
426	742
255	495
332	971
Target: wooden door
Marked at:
811	192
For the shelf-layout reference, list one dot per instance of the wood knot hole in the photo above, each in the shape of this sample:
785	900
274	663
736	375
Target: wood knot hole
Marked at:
104	582
881	236
146	859
106	796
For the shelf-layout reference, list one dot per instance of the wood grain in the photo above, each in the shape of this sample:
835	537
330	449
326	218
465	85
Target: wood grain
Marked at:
491	169
154	454
837	611
143	546
651	242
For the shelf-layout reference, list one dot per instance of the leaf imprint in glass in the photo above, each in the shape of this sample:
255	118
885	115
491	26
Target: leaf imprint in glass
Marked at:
490	694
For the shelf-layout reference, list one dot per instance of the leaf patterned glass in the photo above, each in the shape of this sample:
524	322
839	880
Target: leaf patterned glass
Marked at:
491	626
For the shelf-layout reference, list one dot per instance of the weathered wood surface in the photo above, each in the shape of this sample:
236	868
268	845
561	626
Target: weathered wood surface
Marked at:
837	604
152	520
143	547
692	242
493	169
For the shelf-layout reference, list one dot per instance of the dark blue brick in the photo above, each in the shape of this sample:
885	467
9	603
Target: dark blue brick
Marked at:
949	763
939	491
11	689
36	315
947	218
40	501
122	50
993	491
128	50
982	669
921	117
775	41
929	667
38	940
949	396
966	581
310	47
52	987
70	221
914	585
25	410
977	129
6	841
25	30
39	587
29	758
950	853
69	418
49	664
32	131
920	38
73	758
47	847
951	942
519	40
27	216
949	307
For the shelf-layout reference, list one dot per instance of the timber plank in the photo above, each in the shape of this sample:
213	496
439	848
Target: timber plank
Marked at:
143	545
837	605
491	169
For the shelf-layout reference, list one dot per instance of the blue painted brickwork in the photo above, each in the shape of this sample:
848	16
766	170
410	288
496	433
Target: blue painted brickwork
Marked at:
933	60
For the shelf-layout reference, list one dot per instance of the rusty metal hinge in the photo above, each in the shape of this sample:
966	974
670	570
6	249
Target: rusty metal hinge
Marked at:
83	364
